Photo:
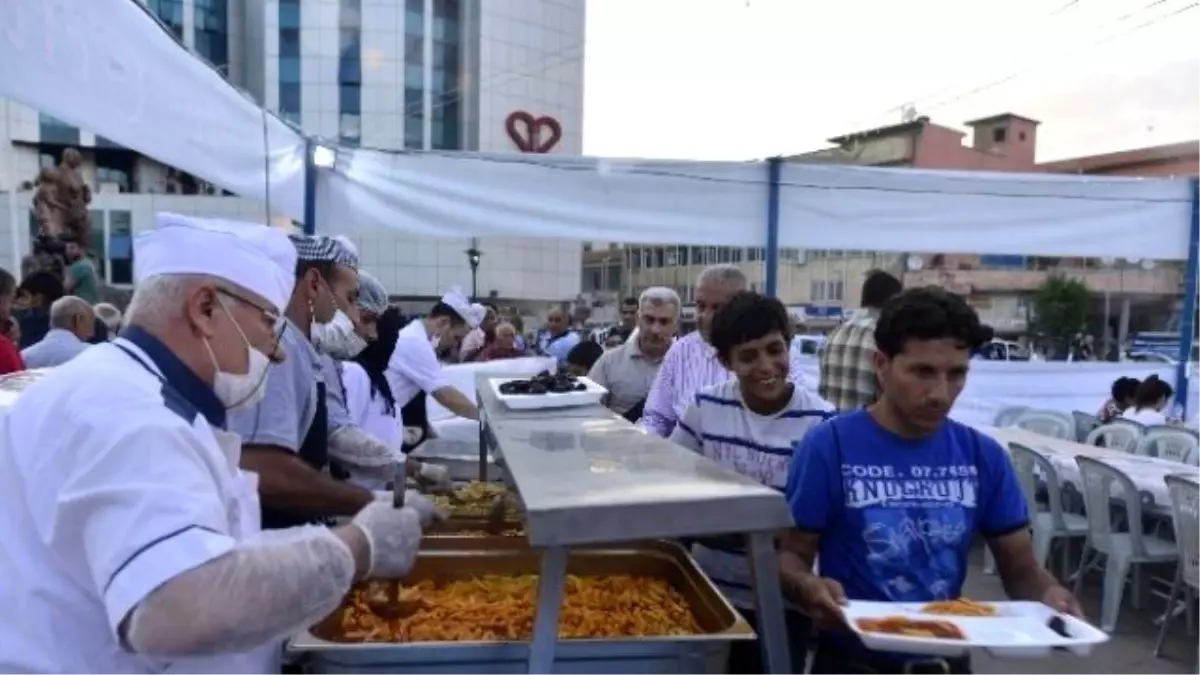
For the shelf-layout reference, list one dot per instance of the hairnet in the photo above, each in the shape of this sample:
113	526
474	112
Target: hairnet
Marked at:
372	296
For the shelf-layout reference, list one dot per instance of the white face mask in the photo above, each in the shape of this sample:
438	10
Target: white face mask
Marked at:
240	391
337	338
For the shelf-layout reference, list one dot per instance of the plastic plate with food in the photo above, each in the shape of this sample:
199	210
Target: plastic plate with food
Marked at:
955	627
545	390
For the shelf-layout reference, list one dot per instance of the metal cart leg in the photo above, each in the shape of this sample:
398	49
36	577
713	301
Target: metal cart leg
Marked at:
551	581
768	603
483	446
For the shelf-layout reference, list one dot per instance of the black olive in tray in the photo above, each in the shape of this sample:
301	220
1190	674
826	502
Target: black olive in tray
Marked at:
543	383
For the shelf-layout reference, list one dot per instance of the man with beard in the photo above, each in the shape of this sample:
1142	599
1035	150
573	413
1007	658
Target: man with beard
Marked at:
80	276
891	497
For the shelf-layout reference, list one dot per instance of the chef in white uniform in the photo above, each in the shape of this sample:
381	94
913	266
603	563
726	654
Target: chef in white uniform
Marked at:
414	368
130	540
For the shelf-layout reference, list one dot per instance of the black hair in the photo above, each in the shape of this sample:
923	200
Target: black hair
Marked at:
442	309
621	332
630	301
878	288
374	358
323	267
43	283
585	354
928	313
748	316
8	283
1150	392
1124	388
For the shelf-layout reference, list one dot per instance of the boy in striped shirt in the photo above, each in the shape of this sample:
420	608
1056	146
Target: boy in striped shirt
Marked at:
749	424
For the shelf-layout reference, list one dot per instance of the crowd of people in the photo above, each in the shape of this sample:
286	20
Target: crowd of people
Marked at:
214	478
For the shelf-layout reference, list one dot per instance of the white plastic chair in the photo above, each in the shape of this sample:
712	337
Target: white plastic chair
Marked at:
1185	507
1084	423
1170	443
1137	426
1122	437
1047	423
1008	415
1123	550
1050	525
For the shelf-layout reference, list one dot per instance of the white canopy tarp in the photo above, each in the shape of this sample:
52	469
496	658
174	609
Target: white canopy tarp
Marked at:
913	210
464	195
725	203
108	67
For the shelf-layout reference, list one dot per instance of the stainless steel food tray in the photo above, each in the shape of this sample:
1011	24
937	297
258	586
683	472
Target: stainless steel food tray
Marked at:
669	654
461	458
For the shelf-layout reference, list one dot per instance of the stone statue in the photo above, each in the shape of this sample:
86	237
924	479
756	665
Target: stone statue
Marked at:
60	206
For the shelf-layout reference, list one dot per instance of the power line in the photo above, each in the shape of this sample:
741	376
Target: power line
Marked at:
1014	75
978	88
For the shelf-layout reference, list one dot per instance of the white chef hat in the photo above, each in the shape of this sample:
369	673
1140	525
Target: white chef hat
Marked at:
258	258
471	313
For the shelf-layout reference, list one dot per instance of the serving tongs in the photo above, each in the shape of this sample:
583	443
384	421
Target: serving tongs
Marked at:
387	598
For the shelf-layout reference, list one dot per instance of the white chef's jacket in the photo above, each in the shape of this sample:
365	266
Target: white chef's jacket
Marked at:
413	367
113	481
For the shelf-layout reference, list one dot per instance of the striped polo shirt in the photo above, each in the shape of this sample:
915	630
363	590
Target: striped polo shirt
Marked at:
719	426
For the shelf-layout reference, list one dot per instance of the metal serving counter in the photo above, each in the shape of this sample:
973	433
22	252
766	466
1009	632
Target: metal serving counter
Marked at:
492	410
586	481
585	476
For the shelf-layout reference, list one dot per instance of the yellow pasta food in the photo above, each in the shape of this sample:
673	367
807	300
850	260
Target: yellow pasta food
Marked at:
473	500
899	625
959	607
497	608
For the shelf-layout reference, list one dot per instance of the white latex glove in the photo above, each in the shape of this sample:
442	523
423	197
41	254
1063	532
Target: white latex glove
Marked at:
435	478
394	535
411	435
426	509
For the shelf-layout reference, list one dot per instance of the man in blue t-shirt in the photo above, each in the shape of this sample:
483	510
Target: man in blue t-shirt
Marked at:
891	497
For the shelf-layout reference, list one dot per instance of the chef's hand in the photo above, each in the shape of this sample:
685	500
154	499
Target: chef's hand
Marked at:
822	600
426	509
393	537
1060	599
435	478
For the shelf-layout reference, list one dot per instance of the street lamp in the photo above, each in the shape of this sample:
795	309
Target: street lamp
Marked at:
473	256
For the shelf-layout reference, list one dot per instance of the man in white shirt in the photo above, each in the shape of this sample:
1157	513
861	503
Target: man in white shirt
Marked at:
130	540
414	369
71	324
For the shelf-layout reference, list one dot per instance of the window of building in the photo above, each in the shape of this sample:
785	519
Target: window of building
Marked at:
414	50
53	130
289	14
212	31
170	12
120	246
99	243
290	97
999	135
350	99
414	118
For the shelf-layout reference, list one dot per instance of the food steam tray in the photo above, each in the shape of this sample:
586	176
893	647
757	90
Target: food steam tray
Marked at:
590	396
1017	630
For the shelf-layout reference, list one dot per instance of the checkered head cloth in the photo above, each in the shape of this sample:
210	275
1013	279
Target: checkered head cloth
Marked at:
319	248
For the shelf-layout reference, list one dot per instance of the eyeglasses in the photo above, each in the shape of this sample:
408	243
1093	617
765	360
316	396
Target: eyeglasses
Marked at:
269	316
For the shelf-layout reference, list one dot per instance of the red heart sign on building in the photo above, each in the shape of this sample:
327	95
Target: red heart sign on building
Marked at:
525	130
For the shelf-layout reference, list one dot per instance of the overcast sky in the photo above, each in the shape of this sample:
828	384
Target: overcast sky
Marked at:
740	79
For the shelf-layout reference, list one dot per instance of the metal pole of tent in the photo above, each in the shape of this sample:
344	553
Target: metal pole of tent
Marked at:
774	168
310	186
1187	322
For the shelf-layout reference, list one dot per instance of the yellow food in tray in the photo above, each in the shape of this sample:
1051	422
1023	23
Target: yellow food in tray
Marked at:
899	625
502	608
959	607
474	500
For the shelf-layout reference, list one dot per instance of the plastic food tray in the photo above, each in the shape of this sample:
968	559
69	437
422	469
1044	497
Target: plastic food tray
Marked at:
1018	629
589	396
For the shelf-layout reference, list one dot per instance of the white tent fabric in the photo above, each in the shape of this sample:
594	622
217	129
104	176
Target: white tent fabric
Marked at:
912	210
721	203
464	195
107	66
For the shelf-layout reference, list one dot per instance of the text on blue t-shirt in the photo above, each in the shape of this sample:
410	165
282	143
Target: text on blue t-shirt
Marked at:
897	516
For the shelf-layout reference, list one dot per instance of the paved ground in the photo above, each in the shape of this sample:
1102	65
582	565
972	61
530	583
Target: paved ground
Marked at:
1131	649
